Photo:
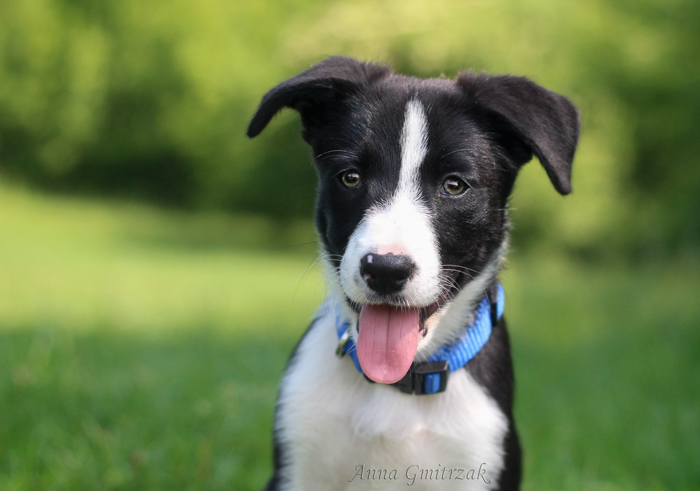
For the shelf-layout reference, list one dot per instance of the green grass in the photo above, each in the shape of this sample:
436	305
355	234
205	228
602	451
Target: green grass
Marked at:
607	364
141	350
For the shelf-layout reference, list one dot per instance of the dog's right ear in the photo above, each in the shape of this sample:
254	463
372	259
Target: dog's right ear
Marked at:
315	92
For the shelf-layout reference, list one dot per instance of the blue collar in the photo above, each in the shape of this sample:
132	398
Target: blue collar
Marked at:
431	377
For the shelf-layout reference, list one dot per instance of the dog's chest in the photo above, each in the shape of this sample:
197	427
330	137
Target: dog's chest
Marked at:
342	432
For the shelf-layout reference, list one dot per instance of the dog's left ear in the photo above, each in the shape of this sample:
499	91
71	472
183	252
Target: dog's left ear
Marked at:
529	119
316	93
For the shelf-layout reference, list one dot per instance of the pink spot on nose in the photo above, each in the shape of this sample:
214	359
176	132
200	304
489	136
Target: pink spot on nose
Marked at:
395	249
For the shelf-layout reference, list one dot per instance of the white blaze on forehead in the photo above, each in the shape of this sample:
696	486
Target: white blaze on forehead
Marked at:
414	146
399	224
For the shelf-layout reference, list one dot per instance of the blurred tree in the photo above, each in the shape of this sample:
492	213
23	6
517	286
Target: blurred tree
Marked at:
150	100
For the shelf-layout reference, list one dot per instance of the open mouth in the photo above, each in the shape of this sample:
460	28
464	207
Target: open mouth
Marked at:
388	338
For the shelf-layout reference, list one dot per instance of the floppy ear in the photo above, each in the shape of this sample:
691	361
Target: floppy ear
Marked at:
314	92
532	119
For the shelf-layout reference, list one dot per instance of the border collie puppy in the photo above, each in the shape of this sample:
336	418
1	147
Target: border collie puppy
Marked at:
405	376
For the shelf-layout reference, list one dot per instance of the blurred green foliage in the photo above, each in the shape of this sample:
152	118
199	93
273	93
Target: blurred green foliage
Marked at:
150	100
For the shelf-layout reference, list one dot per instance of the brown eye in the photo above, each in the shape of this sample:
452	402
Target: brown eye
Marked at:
350	178
453	186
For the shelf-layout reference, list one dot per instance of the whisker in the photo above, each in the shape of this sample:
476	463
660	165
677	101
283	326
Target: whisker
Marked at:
455	151
344	140
347	153
462	268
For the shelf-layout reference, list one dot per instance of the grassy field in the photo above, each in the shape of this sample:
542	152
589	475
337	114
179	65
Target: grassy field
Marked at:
141	350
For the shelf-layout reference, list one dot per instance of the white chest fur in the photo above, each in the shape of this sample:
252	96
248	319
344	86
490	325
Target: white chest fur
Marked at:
341	432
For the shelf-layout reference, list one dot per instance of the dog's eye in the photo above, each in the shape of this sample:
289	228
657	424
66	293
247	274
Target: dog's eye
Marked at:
453	186
350	179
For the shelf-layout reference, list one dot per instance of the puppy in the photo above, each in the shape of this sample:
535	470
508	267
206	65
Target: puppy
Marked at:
405	376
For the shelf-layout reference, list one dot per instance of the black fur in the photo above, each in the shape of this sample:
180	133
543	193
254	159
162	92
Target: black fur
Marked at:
492	368
481	128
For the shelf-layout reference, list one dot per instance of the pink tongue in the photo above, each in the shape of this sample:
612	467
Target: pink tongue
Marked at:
387	341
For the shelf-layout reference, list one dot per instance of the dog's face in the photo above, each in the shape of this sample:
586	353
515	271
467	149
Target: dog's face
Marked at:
414	178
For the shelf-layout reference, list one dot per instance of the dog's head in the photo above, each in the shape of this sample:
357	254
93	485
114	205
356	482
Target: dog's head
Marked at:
414	178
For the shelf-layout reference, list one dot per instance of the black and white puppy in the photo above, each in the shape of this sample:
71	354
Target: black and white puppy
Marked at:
414	178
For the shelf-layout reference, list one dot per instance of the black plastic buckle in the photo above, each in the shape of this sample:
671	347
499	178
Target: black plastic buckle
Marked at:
425	378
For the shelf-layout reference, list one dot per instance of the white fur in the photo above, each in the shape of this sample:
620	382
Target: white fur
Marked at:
332	420
414	146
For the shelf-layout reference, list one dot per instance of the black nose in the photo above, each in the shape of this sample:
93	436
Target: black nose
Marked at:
386	273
